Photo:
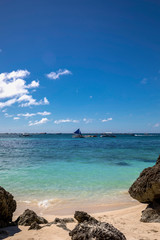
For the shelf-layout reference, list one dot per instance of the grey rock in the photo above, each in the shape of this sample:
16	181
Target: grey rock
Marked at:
81	216
93	229
63	226
151	213
7	207
34	226
63	220
29	217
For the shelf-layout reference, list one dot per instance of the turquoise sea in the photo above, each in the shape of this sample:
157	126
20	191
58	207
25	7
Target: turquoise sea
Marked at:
55	169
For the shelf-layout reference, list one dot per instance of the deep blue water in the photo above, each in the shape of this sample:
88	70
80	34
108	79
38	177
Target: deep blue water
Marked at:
61	167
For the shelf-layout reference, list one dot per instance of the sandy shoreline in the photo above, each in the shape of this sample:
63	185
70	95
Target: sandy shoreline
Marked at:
69	207
127	220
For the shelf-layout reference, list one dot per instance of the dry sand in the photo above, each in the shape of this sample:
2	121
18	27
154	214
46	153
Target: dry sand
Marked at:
127	220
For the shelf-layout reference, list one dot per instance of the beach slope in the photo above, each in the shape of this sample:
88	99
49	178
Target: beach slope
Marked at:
127	220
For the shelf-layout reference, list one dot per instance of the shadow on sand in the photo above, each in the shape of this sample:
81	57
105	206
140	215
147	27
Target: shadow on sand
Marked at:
8	231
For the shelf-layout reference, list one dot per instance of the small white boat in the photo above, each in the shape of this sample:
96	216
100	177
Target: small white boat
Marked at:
109	134
25	135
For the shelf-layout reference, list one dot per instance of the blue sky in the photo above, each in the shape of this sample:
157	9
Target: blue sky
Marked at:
88	64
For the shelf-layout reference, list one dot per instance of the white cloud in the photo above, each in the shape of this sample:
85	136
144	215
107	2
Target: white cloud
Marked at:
87	120
106	120
14	75
7	115
144	81
16	118
46	102
157	125
90	97
14	89
33	84
8	103
44	113
57	74
27	115
31	101
65	121
42	121
4	110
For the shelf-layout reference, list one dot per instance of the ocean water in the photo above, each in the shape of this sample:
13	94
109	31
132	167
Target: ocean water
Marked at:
53	169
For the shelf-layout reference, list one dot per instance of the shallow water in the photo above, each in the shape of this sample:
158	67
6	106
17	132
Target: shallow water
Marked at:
55	169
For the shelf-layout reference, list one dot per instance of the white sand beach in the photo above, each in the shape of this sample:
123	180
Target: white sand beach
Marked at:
127	220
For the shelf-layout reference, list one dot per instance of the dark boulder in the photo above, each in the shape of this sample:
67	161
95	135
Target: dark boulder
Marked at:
146	189
91	228
34	226
7	207
151	213
29	217
81	216
147	186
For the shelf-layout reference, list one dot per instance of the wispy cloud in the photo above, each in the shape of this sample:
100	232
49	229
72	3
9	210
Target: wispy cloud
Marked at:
27	115
42	121
156	125
144	81
44	113
106	120
13	89
57	74
87	120
66	121
30	101
8	115
8	103
0	50
16	118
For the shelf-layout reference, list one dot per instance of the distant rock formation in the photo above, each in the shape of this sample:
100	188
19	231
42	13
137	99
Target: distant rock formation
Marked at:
7	207
29	218
90	228
146	189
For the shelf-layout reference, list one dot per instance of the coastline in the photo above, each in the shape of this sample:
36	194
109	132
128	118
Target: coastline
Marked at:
127	220
62	207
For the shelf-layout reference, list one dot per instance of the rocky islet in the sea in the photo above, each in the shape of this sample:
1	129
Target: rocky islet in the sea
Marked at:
146	189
